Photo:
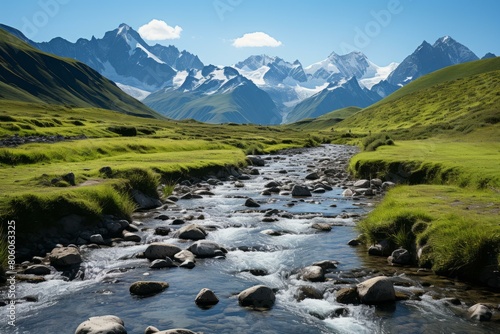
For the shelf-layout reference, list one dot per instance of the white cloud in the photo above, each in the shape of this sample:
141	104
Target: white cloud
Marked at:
256	39
157	30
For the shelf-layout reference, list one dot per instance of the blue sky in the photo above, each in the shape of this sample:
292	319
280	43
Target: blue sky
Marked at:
385	30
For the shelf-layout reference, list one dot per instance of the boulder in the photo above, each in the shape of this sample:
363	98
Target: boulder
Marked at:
326	264
162	230
256	161
354	242
376	182
254	171
312	176
347	193
108	324
113	227
387	185
70	178
324	227
161	250
162	263
312	274
206	249
187	196
191	232
251	203
65	256
376	290
143	201
129	236
347	296
479	312
178	221
362	184
307	291
188	264
259	296
151	330
184	255
301	191
383	248
147	288
399	257
272	184
206	297
37	269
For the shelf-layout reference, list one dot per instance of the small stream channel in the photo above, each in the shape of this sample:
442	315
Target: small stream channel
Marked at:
61	305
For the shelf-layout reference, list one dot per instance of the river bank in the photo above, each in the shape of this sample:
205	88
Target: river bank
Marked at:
269	244
447	213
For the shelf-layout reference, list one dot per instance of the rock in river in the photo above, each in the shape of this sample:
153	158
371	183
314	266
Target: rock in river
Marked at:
206	249
399	257
376	290
324	227
162	263
301	191
65	256
347	296
160	250
256	161
206	297
103	324
37	269
479	312
147	288
251	203
312	274
191	232
259	296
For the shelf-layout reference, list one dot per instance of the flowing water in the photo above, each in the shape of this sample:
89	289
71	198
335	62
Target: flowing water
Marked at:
63	305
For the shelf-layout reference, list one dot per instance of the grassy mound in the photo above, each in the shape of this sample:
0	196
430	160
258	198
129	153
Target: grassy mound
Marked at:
457	228
456	100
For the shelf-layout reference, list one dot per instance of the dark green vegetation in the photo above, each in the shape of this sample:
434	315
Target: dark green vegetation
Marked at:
29	75
447	151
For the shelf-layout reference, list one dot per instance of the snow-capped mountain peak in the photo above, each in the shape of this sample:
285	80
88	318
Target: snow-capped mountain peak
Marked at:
123	29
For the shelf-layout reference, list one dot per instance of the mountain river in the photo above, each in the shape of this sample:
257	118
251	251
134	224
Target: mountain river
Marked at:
274	260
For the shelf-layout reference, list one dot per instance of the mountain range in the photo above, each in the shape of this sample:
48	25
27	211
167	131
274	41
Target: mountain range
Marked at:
30	75
260	89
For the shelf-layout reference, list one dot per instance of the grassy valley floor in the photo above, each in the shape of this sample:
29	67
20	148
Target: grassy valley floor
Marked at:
142	153
448	214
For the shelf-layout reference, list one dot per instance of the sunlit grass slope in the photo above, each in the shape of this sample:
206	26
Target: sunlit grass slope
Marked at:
455	100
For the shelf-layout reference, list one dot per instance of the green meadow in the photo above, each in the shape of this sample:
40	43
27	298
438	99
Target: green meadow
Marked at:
445	151
143	153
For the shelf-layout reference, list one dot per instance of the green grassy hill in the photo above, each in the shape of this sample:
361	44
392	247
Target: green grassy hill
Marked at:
448	208
458	99
29	75
245	104
327	120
